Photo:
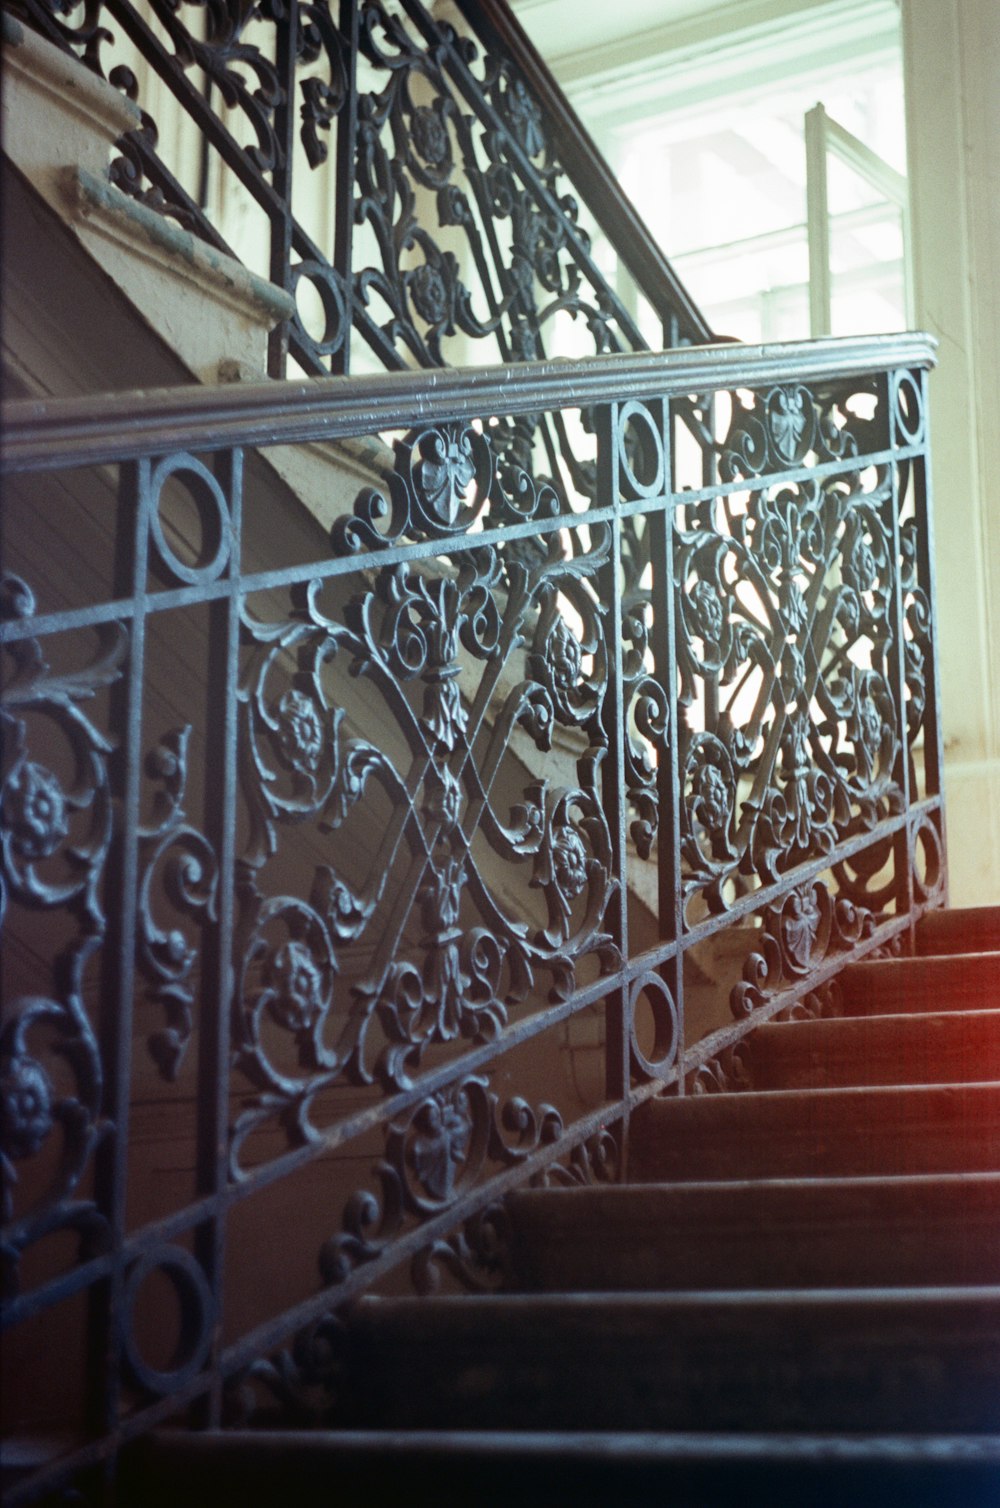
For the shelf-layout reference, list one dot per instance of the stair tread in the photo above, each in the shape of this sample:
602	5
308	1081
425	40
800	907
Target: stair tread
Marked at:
644	1200
584	1442
461	1306
765	1100
834	1094
983	1021
719	1189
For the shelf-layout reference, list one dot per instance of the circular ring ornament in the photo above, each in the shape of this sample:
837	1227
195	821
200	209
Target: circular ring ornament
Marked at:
217	540
909	409
927	861
666	1034
194	1299
325	282
649	449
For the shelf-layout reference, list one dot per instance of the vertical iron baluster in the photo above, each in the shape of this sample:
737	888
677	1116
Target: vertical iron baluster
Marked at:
280	215
118	990
671	796
343	235
920	482
923	501
903	844
613	772
217	997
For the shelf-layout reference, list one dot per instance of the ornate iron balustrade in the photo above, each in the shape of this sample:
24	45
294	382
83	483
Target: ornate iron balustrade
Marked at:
336	860
418	185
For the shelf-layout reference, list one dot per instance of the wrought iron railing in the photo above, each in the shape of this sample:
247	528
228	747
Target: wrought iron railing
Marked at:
419	181
334	860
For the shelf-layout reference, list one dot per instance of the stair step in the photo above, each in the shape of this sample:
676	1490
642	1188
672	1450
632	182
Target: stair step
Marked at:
559	1469
973	929
940	1047
788	1233
816	1133
909	1359
906	986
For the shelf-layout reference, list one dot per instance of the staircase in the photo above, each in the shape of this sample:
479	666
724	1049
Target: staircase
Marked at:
795	1298
460	823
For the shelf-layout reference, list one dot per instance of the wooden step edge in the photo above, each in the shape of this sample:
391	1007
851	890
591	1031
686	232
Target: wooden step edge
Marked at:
588	1444
460	1308
670	1104
745	1102
985	1018
734	1187
870	1049
562	1469
801	1233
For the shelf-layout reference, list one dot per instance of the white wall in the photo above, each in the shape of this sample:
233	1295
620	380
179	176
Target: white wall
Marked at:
951	51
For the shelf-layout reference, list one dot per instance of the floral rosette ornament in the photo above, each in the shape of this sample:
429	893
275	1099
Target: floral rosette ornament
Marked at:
287	990
711	784
25	1106
557	661
572	864
34	812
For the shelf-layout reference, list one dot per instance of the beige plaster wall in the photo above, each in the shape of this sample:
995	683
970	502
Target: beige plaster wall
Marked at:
951	52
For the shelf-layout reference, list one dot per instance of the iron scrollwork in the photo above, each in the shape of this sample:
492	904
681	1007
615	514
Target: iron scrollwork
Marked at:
470	961
430	826
434	1154
455	180
56	811
595	1160
809	925
787	627
454	724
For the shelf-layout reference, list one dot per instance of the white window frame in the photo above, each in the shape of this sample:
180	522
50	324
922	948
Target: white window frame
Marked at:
825	138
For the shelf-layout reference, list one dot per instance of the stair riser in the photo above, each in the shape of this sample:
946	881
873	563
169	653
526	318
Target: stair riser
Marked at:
804	1237
975	929
959	1048
860	1133
915	985
708	1368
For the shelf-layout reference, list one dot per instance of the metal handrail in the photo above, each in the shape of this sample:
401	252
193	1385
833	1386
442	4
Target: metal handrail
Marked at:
49	433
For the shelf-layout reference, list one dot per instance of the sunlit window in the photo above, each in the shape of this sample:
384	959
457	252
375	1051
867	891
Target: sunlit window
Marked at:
724	188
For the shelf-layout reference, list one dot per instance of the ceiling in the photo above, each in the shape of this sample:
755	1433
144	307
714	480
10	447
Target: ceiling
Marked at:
580	38
561	26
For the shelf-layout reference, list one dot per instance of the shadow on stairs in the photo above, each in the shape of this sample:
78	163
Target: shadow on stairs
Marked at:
796	1299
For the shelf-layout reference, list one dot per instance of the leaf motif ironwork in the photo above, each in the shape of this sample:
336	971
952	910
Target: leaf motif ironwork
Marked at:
811	924
178	863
